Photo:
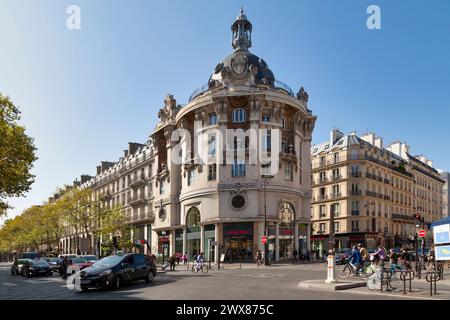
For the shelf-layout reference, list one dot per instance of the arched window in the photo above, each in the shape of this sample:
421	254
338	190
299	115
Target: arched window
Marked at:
287	214
239	115
193	219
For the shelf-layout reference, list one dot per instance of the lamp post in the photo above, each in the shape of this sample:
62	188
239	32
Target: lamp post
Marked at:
266	251
331	270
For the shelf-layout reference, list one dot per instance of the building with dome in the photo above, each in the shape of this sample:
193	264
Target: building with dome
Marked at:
218	173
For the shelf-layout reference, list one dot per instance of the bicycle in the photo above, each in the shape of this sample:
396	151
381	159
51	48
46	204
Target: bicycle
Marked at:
200	266
362	271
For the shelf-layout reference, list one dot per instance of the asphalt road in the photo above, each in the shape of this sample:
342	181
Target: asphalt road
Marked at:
271	283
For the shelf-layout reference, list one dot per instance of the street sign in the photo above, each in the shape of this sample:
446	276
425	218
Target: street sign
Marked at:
263	239
422	233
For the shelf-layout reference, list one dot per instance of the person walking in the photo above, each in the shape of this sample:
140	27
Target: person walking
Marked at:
294	254
172	260
259	258
63	267
184	257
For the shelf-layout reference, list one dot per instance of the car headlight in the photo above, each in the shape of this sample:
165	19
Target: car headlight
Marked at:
105	273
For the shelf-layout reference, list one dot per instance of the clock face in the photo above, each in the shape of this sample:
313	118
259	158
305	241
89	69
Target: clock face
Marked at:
162	214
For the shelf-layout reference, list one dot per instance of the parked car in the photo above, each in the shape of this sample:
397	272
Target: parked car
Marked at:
90	258
54	263
17	266
69	256
77	264
113	271
34	268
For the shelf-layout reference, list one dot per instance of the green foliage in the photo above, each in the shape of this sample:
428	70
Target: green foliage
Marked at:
17	154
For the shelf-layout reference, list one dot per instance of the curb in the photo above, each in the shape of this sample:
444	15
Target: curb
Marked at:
331	286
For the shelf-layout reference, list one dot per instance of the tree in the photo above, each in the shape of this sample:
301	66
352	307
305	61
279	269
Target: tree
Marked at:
114	223
17	154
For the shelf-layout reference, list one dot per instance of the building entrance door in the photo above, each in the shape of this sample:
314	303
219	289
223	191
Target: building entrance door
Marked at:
286	248
238	249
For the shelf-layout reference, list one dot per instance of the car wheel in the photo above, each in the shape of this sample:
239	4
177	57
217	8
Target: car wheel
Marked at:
149	277
117	282
29	274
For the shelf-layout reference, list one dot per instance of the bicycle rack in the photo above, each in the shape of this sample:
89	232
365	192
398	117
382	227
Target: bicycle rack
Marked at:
407	275
432	277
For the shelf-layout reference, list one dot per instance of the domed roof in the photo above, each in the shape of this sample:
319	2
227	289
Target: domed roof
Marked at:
241	66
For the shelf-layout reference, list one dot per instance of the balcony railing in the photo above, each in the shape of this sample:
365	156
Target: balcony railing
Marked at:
355	212
355	174
137	200
355	192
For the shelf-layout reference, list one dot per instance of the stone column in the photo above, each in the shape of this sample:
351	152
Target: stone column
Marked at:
308	237
172	243
296	246
184	240
202	238
277	241
216	238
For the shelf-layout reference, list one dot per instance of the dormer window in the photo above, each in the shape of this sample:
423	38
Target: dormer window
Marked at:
239	115
212	119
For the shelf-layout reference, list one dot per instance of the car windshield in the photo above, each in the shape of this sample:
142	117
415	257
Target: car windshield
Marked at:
78	260
90	258
40	262
108	262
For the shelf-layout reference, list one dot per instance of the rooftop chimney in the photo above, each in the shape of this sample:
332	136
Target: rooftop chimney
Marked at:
369	137
85	178
105	165
379	142
133	147
99	169
335	135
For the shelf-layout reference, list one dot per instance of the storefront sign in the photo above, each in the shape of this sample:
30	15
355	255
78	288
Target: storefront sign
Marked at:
442	253
237	229
286	232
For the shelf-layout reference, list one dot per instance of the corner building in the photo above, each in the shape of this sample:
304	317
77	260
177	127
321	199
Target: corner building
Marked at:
184	207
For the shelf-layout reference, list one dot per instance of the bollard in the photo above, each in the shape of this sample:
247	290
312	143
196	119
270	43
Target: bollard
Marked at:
406	275
431	277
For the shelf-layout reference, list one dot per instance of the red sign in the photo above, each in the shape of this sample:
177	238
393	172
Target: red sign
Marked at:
263	239
422	233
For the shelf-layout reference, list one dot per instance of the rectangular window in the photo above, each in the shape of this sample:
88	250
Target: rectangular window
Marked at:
191	177
265	118
336	208
266	141
161	187
288	173
238	169
336	157
212	145
212	172
322	227
336	191
336	227
283	124
355	208
212	119
323	176
322	212
336	174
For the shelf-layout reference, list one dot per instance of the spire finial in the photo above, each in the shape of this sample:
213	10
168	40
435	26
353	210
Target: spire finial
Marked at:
242	9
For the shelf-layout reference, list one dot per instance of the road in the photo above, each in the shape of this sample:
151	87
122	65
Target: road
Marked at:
248	283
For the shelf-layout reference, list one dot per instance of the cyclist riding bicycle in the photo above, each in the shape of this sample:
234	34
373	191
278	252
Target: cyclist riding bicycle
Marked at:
393	257
379	255
355	258
199	260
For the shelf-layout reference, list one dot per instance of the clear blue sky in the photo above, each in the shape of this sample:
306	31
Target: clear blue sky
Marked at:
84	94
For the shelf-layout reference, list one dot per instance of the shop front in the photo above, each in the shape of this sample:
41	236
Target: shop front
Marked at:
193	232
302	237
209	238
238	241
139	239
286	231
164	244
179	241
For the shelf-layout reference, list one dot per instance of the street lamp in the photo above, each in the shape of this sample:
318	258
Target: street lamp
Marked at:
266	251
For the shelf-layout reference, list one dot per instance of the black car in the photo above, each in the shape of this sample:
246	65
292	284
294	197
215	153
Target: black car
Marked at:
113	271
54	263
33	268
17	266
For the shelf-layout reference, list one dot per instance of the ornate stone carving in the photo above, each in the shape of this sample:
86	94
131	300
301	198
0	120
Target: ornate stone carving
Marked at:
170	109
302	95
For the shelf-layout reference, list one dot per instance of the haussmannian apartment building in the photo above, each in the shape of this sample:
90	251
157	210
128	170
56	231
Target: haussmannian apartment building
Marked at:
189	206
370	192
